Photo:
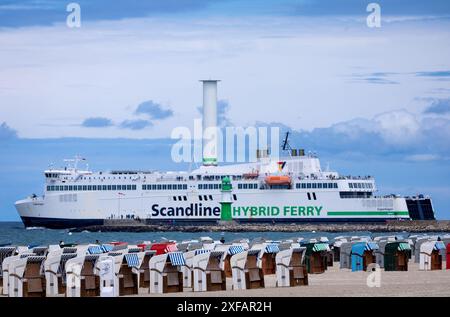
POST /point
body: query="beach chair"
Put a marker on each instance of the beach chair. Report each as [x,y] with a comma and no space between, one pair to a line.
[82,276]
[345,255]
[362,255]
[208,271]
[144,270]
[315,257]
[51,267]
[5,252]
[187,269]
[106,266]
[165,275]
[6,268]
[430,255]
[396,255]
[417,247]
[26,277]
[164,247]
[448,257]
[230,250]
[290,270]
[128,274]
[246,273]
[267,257]
[337,249]
[54,268]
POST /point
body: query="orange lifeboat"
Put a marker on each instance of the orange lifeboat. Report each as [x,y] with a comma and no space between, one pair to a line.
[278,180]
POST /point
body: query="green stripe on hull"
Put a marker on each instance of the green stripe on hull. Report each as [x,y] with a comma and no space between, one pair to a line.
[368,213]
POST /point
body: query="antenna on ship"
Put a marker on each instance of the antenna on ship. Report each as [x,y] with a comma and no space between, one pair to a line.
[286,146]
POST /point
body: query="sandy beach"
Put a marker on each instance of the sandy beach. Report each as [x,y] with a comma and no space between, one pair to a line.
[337,282]
[342,282]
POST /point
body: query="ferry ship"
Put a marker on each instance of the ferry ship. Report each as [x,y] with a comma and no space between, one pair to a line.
[288,189]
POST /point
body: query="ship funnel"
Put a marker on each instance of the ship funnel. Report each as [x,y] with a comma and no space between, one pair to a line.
[210,129]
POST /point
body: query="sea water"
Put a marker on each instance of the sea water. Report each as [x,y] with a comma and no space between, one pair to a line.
[15,233]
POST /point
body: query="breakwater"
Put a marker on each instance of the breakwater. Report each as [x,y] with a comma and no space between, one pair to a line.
[389,226]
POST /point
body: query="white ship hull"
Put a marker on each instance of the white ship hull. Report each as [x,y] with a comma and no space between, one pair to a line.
[256,205]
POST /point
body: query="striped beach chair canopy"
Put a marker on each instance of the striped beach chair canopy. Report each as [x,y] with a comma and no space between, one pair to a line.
[95,249]
[6,252]
[234,249]
[439,245]
[177,258]
[91,257]
[150,252]
[67,256]
[217,254]
[321,247]
[272,248]
[132,259]
[35,258]
[62,263]
[106,248]
[371,246]
[69,250]
[201,251]
[115,253]
[403,246]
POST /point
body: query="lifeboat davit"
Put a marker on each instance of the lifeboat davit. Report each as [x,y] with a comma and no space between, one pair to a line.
[278,180]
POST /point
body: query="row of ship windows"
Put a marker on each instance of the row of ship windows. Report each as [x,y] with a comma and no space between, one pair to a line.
[316,185]
[360,185]
[165,187]
[184,186]
[203,197]
[89,187]
[247,186]
[209,186]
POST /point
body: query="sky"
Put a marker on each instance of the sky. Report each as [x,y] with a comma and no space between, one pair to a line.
[365,99]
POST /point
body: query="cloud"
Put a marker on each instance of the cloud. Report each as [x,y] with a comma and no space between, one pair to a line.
[440,73]
[153,110]
[389,134]
[97,122]
[439,106]
[422,157]
[375,78]
[386,77]
[6,132]
[135,124]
